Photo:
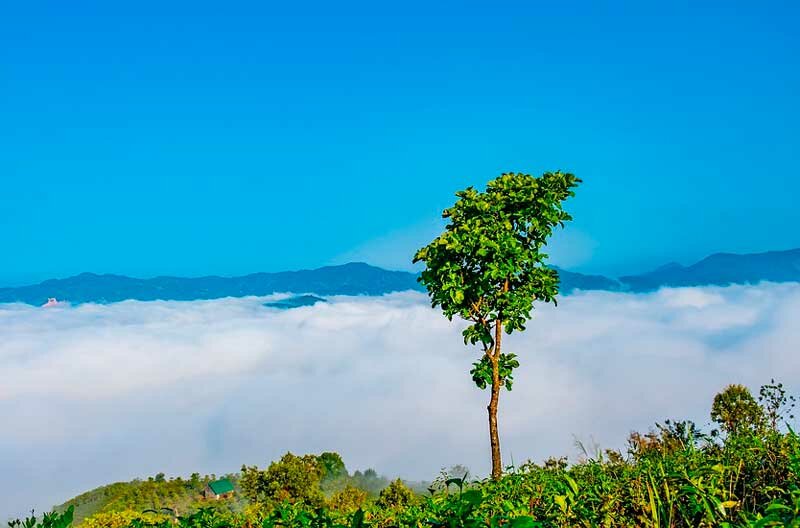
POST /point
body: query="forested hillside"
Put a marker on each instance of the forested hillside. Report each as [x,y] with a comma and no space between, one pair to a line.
[120,501]
[155,493]
[743,472]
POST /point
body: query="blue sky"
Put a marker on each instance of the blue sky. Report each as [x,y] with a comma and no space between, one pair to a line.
[194,138]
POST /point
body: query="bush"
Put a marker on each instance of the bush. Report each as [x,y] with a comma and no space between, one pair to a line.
[395,495]
[121,519]
[348,500]
[292,479]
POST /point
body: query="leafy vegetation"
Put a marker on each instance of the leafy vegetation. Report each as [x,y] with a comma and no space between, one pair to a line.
[321,479]
[489,266]
[49,520]
[126,500]
[744,472]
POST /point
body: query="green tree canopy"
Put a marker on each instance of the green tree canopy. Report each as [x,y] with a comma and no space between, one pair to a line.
[293,479]
[395,495]
[489,266]
[736,411]
[332,465]
[348,500]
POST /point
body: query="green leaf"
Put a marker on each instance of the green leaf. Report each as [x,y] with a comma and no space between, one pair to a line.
[358,519]
[524,521]
[455,480]
[474,497]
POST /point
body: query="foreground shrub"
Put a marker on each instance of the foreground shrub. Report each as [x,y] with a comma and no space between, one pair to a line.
[395,495]
[348,500]
[122,519]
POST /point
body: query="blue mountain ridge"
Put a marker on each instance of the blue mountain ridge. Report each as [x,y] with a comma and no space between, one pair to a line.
[722,269]
[359,278]
[297,301]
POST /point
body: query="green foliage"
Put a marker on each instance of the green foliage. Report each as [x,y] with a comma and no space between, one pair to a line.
[206,517]
[395,495]
[122,519]
[482,370]
[669,437]
[736,411]
[153,493]
[489,264]
[49,520]
[332,466]
[348,500]
[292,479]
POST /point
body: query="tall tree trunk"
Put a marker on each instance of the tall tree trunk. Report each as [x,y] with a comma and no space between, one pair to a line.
[494,436]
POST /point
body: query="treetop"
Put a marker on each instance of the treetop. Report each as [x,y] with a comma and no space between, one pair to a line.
[489,264]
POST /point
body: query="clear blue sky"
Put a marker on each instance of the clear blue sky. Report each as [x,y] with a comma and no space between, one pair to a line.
[195,138]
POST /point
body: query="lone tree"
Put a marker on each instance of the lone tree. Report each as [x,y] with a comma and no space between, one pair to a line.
[488,267]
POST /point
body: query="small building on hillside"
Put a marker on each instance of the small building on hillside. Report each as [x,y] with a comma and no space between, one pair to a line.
[218,489]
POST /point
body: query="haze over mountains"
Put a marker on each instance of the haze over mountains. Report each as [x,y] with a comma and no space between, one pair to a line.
[363,279]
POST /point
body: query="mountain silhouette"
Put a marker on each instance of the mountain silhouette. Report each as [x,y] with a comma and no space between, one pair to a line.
[358,278]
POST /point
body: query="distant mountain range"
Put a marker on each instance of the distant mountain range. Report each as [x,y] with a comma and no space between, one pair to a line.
[722,269]
[348,279]
[363,279]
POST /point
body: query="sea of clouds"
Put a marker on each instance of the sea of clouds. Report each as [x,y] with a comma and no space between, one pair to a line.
[92,394]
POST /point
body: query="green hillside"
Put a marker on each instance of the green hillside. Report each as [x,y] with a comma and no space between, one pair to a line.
[185,495]
[743,473]
[154,493]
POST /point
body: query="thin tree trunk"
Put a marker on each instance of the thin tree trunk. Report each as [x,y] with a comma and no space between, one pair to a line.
[494,436]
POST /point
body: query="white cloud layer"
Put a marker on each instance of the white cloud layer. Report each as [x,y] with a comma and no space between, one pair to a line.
[93,394]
